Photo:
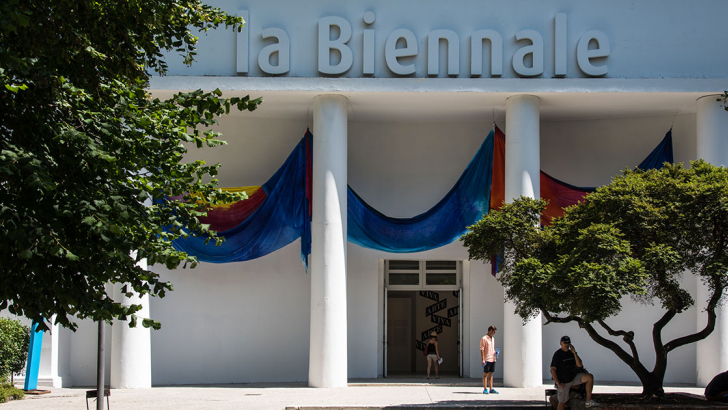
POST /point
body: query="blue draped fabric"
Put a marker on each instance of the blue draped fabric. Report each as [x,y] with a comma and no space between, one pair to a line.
[281,219]
[444,223]
[661,154]
[284,215]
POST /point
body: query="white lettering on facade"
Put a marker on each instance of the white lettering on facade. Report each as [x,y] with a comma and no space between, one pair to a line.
[560,45]
[476,52]
[368,46]
[326,45]
[241,47]
[392,53]
[401,48]
[281,48]
[535,50]
[433,52]
[584,54]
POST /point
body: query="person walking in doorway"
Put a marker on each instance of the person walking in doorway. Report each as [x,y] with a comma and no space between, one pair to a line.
[487,355]
[433,355]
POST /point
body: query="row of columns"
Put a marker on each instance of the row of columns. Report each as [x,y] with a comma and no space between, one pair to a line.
[328,325]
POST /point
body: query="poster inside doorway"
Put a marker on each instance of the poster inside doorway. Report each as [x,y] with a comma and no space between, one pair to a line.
[411,317]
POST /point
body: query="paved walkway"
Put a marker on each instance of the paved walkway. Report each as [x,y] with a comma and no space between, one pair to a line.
[362,394]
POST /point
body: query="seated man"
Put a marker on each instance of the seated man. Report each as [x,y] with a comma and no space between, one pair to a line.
[717,389]
[564,371]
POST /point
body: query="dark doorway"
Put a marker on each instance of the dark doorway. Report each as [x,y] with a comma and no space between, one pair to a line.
[411,317]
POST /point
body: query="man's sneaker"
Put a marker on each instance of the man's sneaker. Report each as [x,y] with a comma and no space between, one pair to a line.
[492,391]
[591,403]
[485,391]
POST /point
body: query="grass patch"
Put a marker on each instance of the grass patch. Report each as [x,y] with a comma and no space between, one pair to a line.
[10,392]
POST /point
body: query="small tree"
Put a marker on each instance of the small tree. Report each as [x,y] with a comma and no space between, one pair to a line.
[14,341]
[635,237]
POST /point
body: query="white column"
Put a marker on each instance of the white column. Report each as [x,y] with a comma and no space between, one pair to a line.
[712,130]
[522,357]
[48,372]
[712,146]
[328,341]
[131,348]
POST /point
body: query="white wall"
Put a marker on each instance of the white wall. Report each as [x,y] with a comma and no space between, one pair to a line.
[234,323]
[590,152]
[249,321]
[486,309]
[363,310]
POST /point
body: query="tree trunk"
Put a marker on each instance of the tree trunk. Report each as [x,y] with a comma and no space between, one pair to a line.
[652,387]
[651,381]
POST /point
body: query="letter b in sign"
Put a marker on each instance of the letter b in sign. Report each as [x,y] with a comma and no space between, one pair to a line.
[326,45]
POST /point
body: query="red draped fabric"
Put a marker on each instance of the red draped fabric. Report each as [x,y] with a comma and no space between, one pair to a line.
[559,195]
[498,185]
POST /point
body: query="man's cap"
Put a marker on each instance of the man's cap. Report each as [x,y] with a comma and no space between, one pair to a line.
[565,339]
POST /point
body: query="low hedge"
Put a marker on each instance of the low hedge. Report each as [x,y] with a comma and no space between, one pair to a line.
[8,391]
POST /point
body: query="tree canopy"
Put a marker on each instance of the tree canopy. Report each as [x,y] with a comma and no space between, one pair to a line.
[636,237]
[88,157]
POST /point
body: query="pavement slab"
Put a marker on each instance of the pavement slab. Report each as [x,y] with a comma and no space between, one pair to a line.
[370,394]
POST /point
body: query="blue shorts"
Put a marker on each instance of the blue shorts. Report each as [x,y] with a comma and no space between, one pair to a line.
[489,367]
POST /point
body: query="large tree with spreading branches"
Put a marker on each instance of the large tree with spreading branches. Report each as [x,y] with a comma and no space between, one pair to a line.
[634,238]
[88,157]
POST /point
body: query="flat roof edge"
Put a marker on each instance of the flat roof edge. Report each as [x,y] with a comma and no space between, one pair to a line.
[444,85]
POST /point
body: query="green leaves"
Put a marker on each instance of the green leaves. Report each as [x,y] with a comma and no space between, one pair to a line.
[15,88]
[83,147]
[634,237]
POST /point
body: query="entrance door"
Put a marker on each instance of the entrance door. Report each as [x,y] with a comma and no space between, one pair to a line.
[411,317]
[400,344]
[422,298]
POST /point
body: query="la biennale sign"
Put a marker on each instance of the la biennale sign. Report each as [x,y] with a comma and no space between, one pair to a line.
[336,56]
